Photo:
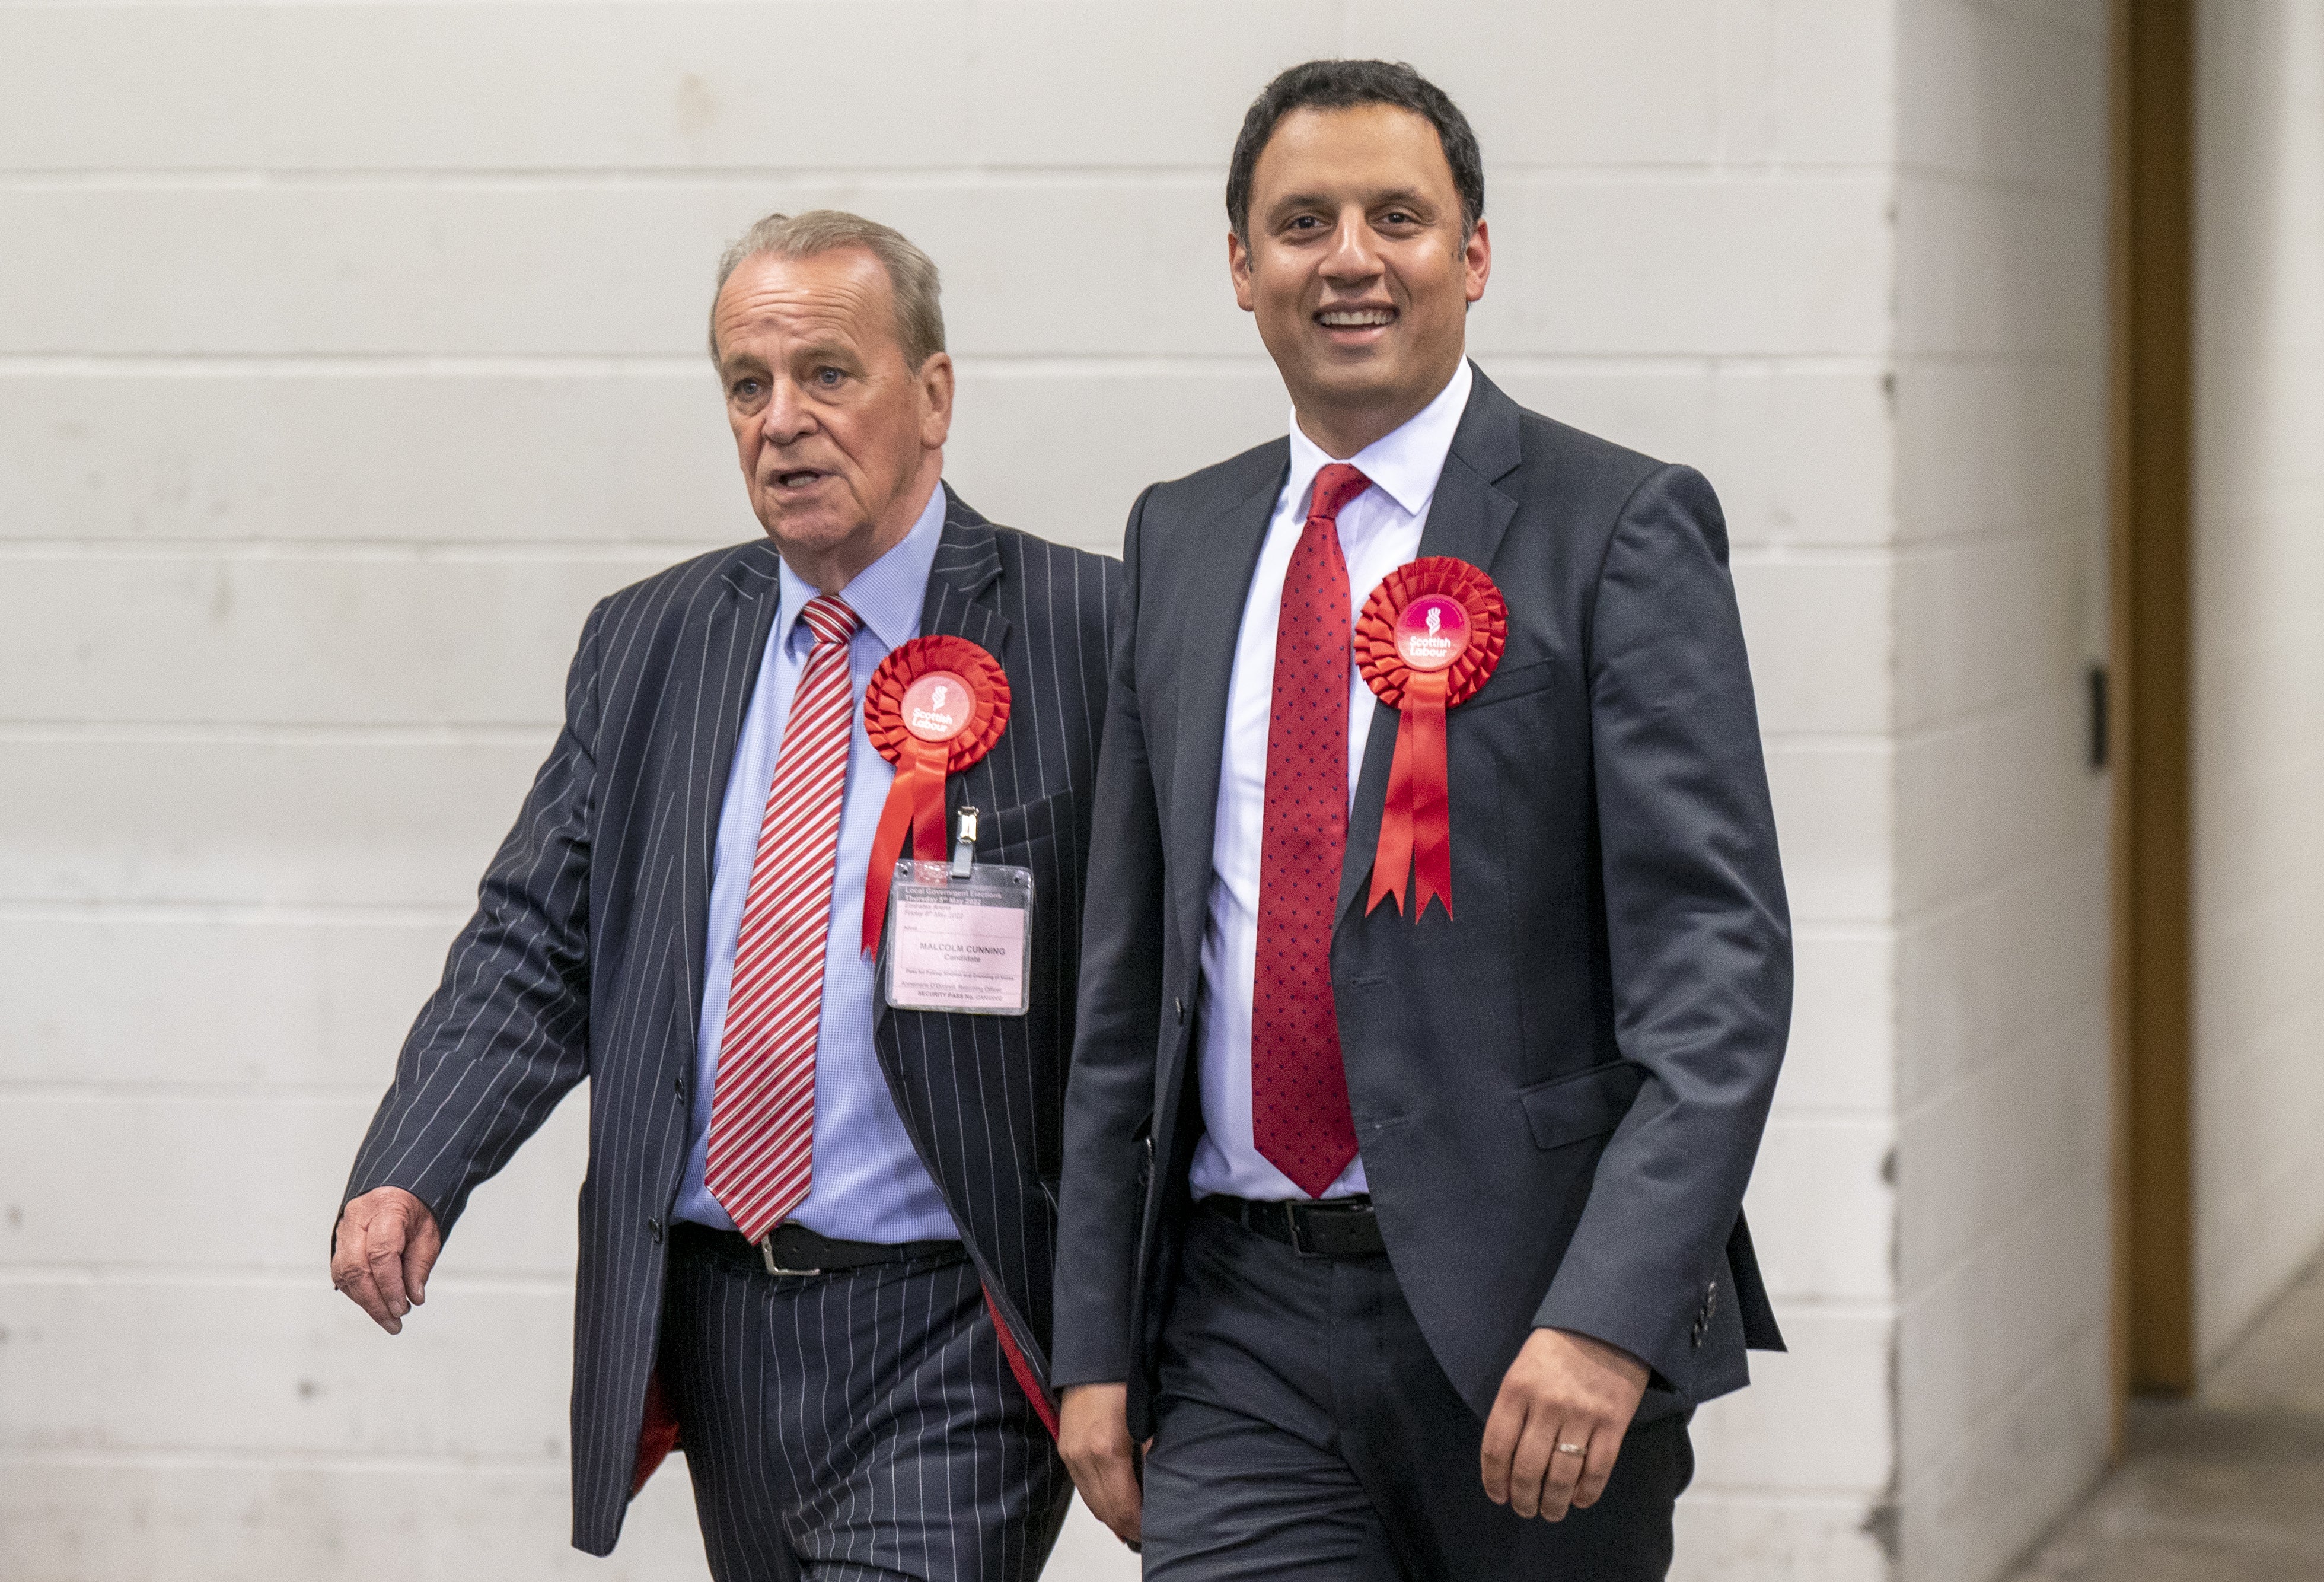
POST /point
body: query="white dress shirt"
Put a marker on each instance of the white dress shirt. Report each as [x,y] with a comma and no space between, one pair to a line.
[1380,531]
[869,1184]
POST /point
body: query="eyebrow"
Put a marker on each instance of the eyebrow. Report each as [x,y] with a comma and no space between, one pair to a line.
[833,350]
[1407,196]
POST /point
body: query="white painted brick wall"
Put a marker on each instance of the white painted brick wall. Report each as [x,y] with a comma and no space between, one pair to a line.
[346,352]
[2002,1278]
[2259,658]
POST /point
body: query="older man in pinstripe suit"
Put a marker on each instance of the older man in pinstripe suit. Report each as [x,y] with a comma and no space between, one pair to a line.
[817,1233]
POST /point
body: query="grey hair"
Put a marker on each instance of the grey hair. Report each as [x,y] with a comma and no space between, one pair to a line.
[911,274]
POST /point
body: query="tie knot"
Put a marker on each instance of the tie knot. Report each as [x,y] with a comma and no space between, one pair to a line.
[1336,485]
[830,619]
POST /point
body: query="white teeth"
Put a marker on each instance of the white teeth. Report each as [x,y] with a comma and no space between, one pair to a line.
[1355,319]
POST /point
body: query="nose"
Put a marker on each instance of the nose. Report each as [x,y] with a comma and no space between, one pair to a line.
[1350,259]
[786,419]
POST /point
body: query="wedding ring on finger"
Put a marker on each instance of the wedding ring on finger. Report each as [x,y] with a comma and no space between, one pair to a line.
[1572,1449]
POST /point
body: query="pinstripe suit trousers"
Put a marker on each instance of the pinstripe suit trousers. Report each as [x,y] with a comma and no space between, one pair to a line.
[854,1426]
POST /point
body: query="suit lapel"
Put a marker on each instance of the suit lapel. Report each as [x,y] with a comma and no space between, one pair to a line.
[733,646]
[960,581]
[1225,559]
[1467,517]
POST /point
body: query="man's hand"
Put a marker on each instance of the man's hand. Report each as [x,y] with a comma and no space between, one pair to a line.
[1558,1423]
[387,1243]
[1093,1437]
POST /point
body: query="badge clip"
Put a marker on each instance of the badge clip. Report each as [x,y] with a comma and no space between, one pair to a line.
[964,850]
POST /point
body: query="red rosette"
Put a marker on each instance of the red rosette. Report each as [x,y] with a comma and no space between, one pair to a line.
[927,731]
[1427,639]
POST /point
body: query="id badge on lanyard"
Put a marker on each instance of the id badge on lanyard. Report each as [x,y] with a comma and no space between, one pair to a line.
[960,933]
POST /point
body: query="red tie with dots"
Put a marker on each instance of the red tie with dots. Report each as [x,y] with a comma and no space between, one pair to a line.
[1299,1117]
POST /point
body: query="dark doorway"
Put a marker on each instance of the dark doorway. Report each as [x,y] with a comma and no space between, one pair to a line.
[2150,660]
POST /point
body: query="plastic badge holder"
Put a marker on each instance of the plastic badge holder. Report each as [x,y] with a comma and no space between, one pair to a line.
[959,938]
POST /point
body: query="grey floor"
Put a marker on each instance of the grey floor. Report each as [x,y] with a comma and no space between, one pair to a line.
[2228,1487]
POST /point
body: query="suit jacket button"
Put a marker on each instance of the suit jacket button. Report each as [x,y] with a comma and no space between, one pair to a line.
[653,1228]
[677,1086]
[1182,1012]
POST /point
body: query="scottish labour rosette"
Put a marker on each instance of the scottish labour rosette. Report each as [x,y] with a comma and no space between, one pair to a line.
[935,706]
[1429,637]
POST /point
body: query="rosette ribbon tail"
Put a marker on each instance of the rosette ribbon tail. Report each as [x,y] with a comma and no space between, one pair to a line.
[915,806]
[1414,816]
[1432,799]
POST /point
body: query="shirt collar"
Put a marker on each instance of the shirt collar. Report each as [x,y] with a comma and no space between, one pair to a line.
[887,594]
[1405,463]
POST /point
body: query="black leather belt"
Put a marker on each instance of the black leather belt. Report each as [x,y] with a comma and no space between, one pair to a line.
[793,1249]
[1338,1227]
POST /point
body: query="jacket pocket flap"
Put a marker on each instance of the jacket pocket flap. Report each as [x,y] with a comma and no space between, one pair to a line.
[1516,681]
[1010,828]
[1587,1103]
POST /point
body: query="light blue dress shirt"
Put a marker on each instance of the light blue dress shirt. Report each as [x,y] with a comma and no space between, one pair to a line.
[869,1184]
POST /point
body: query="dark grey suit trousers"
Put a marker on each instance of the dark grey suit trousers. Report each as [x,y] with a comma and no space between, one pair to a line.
[854,1426]
[1305,1433]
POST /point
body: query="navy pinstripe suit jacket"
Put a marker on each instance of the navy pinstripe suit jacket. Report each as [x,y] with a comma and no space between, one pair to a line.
[584,957]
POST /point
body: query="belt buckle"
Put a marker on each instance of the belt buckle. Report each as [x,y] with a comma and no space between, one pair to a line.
[767,1255]
[1298,1241]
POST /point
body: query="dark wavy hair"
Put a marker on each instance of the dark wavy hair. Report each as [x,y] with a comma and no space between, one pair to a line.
[1340,84]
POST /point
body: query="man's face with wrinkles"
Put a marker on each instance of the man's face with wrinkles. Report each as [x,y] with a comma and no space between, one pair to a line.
[840,439]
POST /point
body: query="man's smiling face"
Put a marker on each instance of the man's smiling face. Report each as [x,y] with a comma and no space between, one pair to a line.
[1356,267]
[841,440]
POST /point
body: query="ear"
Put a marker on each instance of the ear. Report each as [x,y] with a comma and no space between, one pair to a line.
[1239,267]
[1477,261]
[934,380]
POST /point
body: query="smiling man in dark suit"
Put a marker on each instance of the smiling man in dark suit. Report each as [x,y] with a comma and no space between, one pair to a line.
[1394,1226]
[817,1235]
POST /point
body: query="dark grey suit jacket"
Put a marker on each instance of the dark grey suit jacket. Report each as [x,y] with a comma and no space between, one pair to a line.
[585,958]
[1558,1091]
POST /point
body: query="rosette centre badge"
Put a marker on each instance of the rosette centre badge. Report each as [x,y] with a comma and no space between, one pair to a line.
[937,707]
[1432,634]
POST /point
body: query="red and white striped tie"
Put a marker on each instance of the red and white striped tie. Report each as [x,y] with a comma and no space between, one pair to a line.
[762,1109]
